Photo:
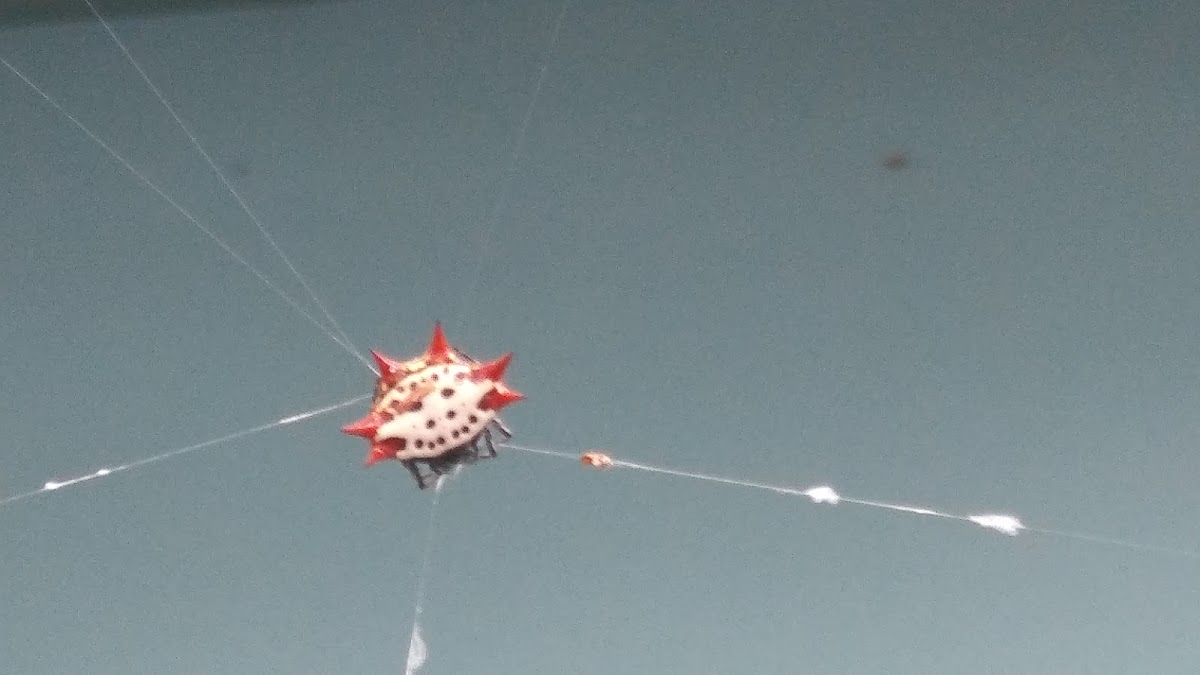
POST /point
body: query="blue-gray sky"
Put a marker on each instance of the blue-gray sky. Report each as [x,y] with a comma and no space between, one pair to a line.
[700,264]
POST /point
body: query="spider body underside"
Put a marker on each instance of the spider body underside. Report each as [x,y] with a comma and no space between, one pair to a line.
[466,454]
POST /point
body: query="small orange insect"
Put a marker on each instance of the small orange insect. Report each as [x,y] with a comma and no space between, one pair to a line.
[596,459]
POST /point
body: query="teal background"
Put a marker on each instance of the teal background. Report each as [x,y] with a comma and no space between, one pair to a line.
[700,263]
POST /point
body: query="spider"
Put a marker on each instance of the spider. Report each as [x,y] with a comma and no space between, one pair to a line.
[436,410]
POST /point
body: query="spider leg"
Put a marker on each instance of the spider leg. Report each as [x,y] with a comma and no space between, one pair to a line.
[416,473]
[502,428]
[474,450]
[487,440]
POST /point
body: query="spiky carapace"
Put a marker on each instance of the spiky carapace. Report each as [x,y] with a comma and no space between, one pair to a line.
[435,409]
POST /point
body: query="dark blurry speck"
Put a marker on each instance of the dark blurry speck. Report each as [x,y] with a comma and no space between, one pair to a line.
[897,160]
